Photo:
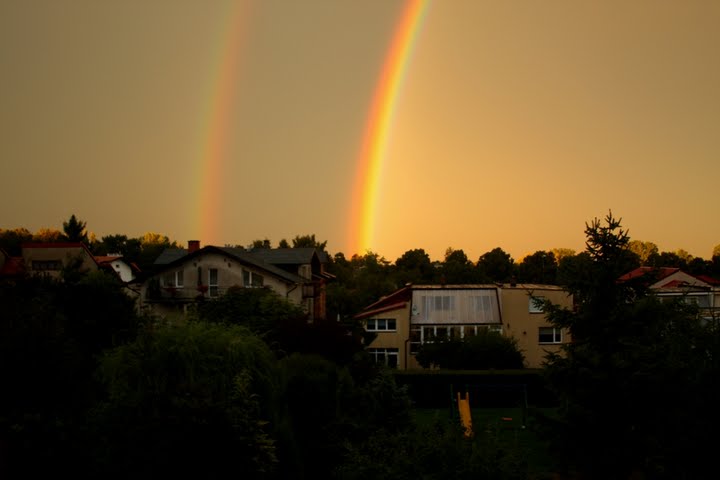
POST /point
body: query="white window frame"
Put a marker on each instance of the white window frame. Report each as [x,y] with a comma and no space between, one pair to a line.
[173,279]
[249,279]
[381,325]
[557,335]
[382,356]
[532,307]
[213,290]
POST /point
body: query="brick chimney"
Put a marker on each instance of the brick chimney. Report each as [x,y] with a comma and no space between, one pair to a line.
[193,245]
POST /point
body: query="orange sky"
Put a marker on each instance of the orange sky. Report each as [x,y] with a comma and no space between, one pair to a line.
[517,121]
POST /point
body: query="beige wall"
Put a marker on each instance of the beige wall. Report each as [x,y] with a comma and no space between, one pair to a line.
[524,326]
[58,254]
[230,273]
[517,321]
[396,339]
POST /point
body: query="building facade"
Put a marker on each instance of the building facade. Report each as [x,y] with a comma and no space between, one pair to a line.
[185,276]
[415,314]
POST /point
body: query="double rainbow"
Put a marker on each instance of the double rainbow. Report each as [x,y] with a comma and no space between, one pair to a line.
[361,229]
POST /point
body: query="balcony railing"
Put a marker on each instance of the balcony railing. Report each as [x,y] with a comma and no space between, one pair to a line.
[183,294]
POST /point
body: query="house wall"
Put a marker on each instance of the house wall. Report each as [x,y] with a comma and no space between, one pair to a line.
[524,325]
[514,318]
[395,339]
[60,255]
[196,272]
[123,270]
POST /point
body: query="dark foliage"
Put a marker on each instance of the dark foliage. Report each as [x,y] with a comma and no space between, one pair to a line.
[635,380]
[486,350]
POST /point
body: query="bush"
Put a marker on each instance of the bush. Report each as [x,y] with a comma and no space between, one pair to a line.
[487,350]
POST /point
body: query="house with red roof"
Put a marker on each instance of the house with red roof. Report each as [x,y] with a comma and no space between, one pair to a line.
[126,271]
[415,314]
[672,283]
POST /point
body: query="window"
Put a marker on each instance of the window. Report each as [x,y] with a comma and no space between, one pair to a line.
[252,279]
[44,265]
[381,325]
[535,304]
[549,335]
[384,356]
[213,282]
[173,279]
[439,303]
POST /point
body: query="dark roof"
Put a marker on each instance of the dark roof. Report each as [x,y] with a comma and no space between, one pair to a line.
[289,256]
[169,255]
[175,256]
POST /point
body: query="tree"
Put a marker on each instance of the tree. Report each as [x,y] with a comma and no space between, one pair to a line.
[540,267]
[151,246]
[11,240]
[414,266]
[75,230]
[644,250]
[716,251]
[265,243]
[496,265]
[191,400]
[486,350]
[283,244]
[308,241]
[561,253]
[49,235]
[457,268]
[635,374]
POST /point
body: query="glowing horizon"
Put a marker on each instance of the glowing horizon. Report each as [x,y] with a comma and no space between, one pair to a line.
[216,124]
[361,227]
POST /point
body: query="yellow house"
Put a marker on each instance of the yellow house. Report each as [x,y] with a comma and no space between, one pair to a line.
[408,317]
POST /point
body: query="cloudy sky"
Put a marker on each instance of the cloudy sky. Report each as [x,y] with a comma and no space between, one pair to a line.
[516,121]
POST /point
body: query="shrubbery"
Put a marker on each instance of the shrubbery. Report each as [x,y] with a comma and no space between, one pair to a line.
[486,350]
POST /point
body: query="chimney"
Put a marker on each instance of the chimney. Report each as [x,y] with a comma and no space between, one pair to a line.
[193,245]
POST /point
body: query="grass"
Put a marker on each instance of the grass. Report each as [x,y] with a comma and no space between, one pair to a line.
[505,429]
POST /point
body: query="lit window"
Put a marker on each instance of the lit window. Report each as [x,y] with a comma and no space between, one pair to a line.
[550,335]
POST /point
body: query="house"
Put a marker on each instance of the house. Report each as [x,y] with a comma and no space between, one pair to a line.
[126,271]
[184,276]
[414,314]
[10,267]
[46,258]
[308,263]
[674,284]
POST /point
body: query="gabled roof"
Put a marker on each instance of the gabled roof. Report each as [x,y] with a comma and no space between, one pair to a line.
[667,278]
[169,255]
[652,274]
[393,301]
[240,254]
